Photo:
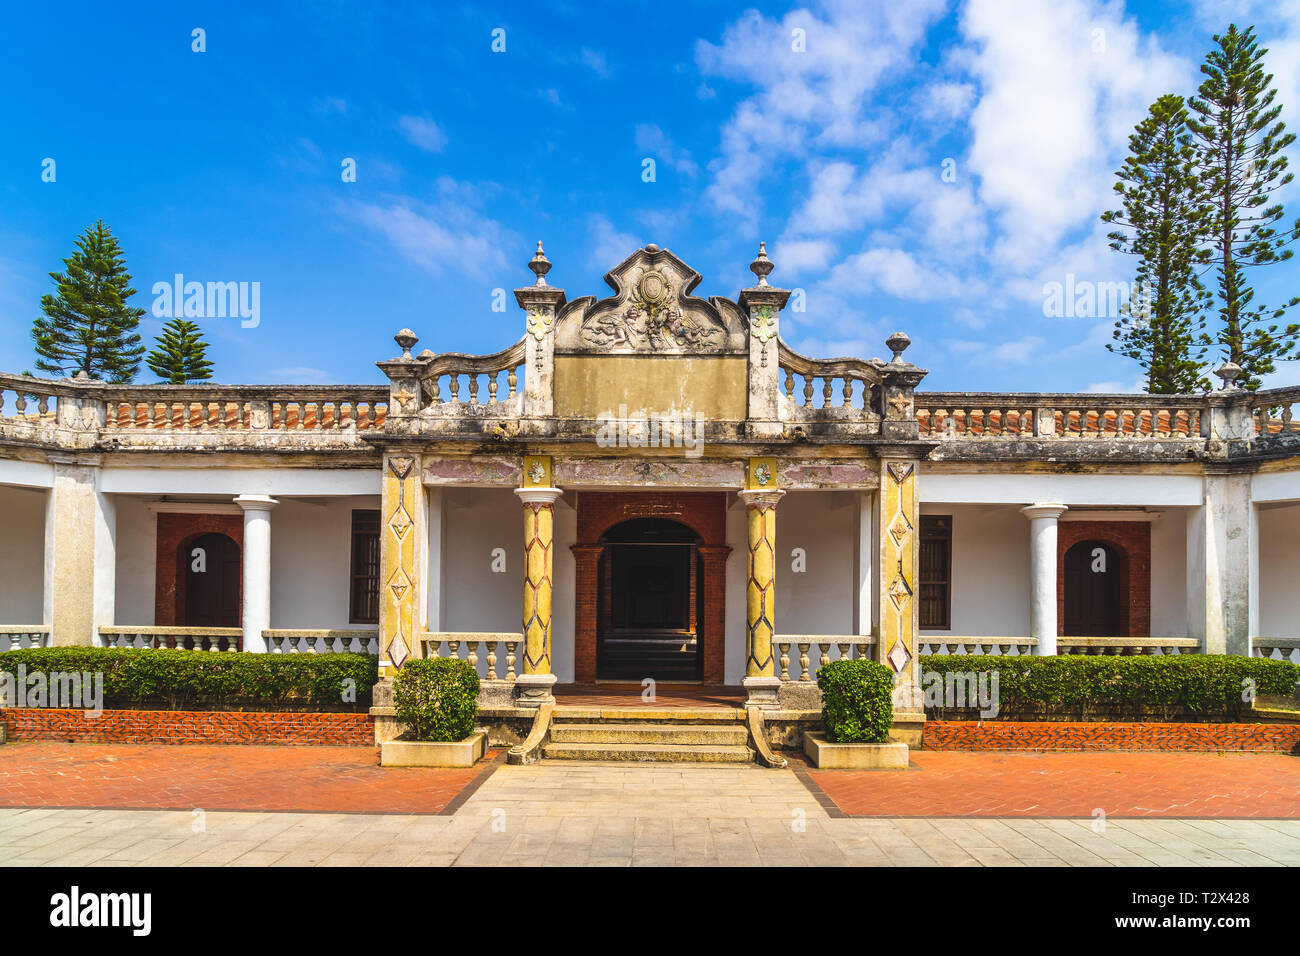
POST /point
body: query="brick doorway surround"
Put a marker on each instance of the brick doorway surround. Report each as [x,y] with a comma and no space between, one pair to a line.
[176,530]
[704,512]
[1132,539]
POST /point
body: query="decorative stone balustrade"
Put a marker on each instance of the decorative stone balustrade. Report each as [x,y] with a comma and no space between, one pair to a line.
[20,637]
[995,646]
[321,641]
[1277,648]
[1116,646]
[974,415]
[455,384]
[847,645]
[841,389]
[471,641]
[178,638]
[1273,415]
[215,408]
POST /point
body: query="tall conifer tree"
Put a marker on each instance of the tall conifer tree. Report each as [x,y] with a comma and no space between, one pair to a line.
[1163,222]
[88,327]
[180,356]
[1239,143]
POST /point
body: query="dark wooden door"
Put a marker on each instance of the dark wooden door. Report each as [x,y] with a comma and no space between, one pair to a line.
[1092,590]
[211,566]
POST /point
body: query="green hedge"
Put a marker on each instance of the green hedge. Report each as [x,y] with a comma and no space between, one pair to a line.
[204,680]
[1080,687]
[437,698]
[857,701]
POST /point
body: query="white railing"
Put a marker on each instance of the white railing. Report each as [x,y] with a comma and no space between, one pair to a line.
[431,645]
[180,638]
[845,643]
[322,641]
[20,637]
[1127,645]
[1277,648]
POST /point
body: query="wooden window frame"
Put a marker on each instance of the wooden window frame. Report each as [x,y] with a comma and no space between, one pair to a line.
[365,523]
[945,535]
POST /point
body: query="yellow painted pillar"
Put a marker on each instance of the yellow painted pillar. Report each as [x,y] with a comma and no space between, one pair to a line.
[538,495]
[403,520]
[899,557]
[761,496]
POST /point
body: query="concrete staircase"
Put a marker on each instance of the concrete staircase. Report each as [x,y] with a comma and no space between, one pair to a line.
[690,735]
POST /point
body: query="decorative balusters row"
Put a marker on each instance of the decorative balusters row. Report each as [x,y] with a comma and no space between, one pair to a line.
[1127,646]
[847,646]
[837,390]
[994,646]
[25,403]
[281,641]
[359,413]
[220,639]
[1275,420]
[490,644]
[438,393]
[995,420]
[24,637]
[1277,648]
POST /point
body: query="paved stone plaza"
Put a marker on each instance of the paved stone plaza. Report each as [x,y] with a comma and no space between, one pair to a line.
[580,814]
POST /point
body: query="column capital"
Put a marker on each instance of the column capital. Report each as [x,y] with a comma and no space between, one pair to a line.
[256,502]
[1045,509]
[765,498]
[539,496]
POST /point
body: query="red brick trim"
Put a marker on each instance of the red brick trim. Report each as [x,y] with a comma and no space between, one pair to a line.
[1051,735]
[704,512]
[1132,539]
[174,531]
[189,727]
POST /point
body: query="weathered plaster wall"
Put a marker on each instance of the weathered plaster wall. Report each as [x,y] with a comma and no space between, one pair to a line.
[475,598]
[136,562]
[1279,571]
[818,600]
[22,571]
[1169,574]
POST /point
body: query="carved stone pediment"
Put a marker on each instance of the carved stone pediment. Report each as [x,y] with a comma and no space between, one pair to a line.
[652,311]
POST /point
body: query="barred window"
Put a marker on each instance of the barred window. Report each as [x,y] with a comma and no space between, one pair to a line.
[936,572]
[364,603]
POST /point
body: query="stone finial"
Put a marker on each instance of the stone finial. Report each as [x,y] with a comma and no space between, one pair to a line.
[898,343]
[1229,372]
[762,266]
[81,376]
[651,248]
[540,264]
[406,339]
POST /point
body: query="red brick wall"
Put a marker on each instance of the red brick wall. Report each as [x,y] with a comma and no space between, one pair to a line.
[189,727]
[704,512]
[1045,735]
[1132,539]
[175,530]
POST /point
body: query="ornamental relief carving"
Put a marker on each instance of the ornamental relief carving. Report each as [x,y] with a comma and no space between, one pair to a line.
[652,311]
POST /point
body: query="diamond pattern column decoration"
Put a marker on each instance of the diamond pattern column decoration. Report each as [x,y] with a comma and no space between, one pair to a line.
[761,496]
[538,495]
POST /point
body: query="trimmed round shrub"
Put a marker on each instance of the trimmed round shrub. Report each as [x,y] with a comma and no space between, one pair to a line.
[437,698]
[857,701]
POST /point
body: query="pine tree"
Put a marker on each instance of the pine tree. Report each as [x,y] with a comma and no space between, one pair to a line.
[88,327]
[181,354]
[1239,144]
[1163,222]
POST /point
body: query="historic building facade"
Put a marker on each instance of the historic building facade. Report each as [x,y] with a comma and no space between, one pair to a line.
[649,484]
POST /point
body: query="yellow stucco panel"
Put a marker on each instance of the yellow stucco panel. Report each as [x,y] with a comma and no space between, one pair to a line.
[588,386]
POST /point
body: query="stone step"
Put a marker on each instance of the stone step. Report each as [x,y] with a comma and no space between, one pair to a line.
[645,714]
[672,753]
[733,734]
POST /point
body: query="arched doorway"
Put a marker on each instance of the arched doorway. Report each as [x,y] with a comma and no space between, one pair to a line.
[1095,590]
[209,567]
[648,602]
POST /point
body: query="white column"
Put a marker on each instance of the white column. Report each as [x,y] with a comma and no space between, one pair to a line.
[1223,566]
[1043,519]
[864,611]
[80,552]
[256,613]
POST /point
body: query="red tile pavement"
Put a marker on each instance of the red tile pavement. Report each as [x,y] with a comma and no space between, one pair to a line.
[217,777]
[958,784]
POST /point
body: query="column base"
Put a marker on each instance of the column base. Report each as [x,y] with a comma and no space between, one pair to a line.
[761,692]
[533,690]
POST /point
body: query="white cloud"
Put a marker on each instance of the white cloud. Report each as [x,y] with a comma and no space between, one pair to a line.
[423,133]
[651,139]
[595,60]
[609,246]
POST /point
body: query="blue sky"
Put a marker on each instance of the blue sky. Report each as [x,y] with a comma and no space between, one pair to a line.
[225,165]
